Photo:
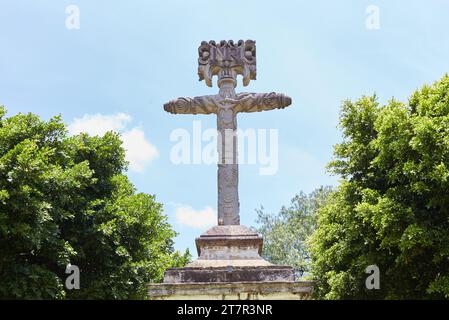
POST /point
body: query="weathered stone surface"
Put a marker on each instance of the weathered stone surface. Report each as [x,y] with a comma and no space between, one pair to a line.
[227,58]
[229,242]
[229,254]
[298,290]
[230,273]
[229,231]
[203,263]
[231,245]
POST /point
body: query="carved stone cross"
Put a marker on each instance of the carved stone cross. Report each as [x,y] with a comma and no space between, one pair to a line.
[227,60]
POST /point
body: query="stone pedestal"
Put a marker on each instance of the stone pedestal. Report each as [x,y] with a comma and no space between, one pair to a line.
[298,290]
[229,266]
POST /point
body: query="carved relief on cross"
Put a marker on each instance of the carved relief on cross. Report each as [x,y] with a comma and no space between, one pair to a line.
[227,60]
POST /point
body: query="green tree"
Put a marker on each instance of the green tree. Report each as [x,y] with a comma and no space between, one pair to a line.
[286,233]
[64,200]
[392,206]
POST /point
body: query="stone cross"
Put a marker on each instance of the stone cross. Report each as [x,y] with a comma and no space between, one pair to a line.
[226,60]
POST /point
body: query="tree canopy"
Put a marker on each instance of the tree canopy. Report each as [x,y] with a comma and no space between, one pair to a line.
[392,206]
[65,200]
[286,233]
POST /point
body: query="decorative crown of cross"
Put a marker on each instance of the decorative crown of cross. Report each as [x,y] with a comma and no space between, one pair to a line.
[227,60]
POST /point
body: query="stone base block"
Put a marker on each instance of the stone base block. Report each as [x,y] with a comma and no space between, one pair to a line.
[229,242]
[229,254]
[230,266]
[233,245]
[299,290]
[231,273]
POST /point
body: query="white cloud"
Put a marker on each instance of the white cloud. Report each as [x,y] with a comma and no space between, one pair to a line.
[98,124]
[139,151]
[188,216]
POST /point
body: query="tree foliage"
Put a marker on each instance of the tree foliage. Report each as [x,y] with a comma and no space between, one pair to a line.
[392,207]
[64,200]
[286,233]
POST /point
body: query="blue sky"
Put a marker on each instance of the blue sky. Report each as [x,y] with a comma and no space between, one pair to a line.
[130,57]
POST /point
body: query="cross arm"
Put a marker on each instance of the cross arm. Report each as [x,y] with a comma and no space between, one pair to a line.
[196,105]
[253,102]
